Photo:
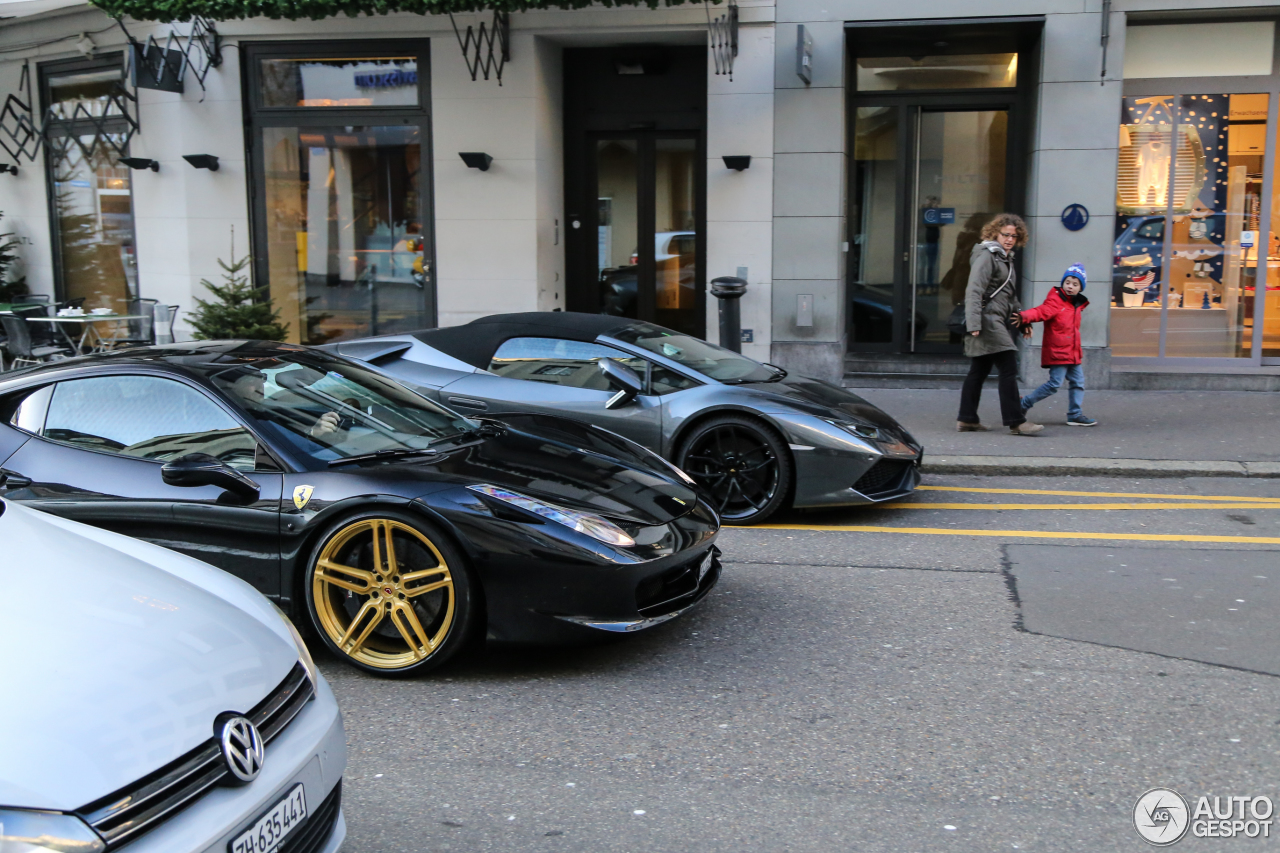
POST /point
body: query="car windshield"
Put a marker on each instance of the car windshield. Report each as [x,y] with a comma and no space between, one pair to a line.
[708,359]
[330,409]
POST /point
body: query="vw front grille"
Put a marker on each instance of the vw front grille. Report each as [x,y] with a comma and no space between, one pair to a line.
[123,815]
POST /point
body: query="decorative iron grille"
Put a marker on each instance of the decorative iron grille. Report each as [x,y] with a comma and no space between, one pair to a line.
[113,127]
[723,32]
[486,49]
[164,67]
[18,132]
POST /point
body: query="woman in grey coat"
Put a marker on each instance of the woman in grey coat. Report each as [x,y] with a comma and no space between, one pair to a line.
[991,309]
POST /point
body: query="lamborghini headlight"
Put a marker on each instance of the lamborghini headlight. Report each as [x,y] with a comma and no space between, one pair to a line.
[23,831]
[594,526]
[304,655]
[863,431]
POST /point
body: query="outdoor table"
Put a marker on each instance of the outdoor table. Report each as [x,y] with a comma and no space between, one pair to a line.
[89,332]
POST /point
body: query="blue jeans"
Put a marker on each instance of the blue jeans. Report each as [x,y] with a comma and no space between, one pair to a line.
[1074,375]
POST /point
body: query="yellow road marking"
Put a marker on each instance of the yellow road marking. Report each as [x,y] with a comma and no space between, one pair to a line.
[1030,534]
[1096,494]
[1081,506]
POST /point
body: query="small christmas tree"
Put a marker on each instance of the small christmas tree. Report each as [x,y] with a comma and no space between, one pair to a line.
[241,312]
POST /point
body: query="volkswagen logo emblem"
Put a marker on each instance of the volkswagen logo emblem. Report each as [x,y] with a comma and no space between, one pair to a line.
[241,748]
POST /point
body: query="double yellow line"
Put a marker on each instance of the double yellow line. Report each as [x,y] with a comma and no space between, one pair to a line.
[1184,502]
[1187,501]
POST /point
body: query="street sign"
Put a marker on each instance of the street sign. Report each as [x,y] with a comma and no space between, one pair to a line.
[1075,217]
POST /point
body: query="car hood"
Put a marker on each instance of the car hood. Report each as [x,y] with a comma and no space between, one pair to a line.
[572,464]
[818,398]
[117,655]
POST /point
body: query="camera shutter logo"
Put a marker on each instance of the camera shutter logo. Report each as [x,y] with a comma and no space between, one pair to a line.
[241,748]
[1161,817]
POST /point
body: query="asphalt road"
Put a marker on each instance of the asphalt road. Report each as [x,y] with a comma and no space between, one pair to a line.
[955,679]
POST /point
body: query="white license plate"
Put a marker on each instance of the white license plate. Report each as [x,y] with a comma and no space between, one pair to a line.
[269,830]
[706,565]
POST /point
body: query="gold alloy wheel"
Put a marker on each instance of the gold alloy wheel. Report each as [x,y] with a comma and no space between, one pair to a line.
[383,593]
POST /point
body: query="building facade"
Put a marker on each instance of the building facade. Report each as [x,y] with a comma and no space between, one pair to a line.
[377,187]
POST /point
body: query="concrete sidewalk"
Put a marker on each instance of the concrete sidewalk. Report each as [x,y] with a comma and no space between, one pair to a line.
[1139,433]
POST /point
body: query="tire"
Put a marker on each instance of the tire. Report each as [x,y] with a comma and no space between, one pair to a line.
[407,620]
[742,465]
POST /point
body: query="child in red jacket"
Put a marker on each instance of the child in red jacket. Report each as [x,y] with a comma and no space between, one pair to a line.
[1061,353]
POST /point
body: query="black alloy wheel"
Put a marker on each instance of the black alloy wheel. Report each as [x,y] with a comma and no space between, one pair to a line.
[742,465]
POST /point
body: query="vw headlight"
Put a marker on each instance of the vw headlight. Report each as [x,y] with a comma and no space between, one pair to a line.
[24,831]
[594,526]
[304,655]
[865,431]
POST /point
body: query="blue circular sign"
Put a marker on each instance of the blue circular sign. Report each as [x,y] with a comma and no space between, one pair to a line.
[932,216]
[1075,217]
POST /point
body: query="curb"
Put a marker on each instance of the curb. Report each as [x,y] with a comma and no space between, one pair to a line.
[1033,466]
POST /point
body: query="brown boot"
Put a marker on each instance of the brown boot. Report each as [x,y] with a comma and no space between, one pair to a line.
[1025,428]
[961,426]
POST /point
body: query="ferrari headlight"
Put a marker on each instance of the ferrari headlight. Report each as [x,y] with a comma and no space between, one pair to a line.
[304,655]
[592,525]
[860,430]
[24,831]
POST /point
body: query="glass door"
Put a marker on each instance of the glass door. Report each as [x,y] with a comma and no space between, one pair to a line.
[959,186]
[647,212]
[926,178]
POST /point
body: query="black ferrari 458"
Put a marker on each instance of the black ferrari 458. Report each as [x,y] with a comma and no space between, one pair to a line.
[401,528]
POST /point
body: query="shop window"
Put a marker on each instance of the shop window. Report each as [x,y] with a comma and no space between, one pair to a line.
[1224,49]
[1188,204]
[343,235]
[92,191]
[973,71]
[386,81]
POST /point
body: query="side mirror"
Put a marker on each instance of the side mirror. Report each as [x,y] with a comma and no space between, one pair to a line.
[627,382]
[201,469]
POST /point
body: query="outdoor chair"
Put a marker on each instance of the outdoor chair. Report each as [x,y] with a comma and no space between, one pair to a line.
[138,333]
[21,350]
[162,323]
[41,334]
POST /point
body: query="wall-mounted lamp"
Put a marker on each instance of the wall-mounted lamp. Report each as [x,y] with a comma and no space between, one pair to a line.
[5,167]
[202,161]
[476,160]
[141,163]
[737,162]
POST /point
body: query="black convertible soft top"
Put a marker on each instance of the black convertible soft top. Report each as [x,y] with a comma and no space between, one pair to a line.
[477,341]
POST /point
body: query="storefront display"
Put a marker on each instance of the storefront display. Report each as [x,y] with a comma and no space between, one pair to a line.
[1188,205]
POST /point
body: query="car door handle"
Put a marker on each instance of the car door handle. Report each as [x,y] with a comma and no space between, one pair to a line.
[13,480]
[468,403]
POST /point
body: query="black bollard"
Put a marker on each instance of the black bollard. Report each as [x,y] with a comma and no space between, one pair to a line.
[729,289]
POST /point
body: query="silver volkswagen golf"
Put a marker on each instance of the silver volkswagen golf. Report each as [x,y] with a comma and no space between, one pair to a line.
[153,701]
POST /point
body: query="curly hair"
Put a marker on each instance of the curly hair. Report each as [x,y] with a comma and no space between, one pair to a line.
[992,228]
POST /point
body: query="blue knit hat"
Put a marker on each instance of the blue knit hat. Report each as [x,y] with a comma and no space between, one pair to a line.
[1075,271]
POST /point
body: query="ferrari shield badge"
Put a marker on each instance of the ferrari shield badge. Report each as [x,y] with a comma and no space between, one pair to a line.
[302,494]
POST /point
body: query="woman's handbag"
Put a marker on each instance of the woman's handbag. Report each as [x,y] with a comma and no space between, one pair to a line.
[956,322]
